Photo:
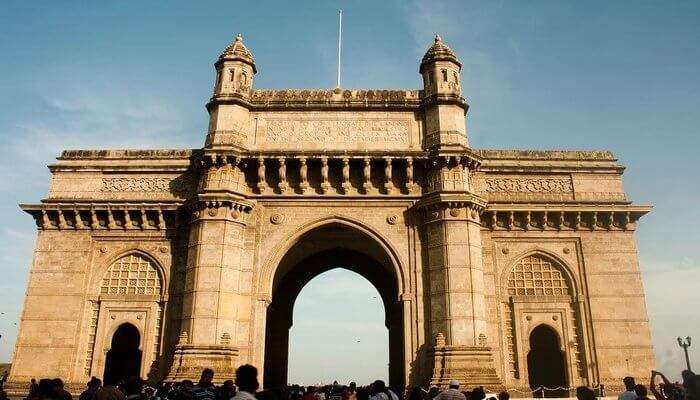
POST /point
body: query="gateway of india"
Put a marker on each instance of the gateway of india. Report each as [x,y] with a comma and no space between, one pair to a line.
[502,268]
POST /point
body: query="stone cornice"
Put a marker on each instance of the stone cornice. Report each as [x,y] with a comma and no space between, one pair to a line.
[451,200]
[448,99]
[323,99]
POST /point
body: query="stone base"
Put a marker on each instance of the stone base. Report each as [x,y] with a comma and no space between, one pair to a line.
[189,361]
[472,366]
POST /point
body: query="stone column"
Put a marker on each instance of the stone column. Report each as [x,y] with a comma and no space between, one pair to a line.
[212,301]
[457,310]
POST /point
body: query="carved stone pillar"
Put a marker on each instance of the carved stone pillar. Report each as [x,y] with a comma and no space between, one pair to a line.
[212,300]
[261,175]
[388,185]
[366,184]
[457,309]
[283,186]
[345,184]
[303,178]
[410,182]
[325,186]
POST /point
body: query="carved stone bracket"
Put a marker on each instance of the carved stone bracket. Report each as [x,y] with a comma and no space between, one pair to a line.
[564,217]
[108,216]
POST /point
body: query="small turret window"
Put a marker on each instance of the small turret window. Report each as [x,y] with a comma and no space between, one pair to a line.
[444,75]
[232,71]
[456,77]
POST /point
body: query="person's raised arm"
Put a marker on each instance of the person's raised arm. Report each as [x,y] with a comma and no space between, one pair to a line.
[652,387]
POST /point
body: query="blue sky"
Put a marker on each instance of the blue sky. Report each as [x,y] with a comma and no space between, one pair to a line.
[547,74]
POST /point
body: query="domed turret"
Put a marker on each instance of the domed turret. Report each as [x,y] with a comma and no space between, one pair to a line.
[235,69]
[442,97]
[440,68]
[229,116]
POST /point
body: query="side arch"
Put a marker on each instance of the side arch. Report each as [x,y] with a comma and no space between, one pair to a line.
[272,262]
[562,265]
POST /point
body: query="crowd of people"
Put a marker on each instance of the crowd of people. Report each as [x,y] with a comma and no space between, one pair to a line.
[246,385]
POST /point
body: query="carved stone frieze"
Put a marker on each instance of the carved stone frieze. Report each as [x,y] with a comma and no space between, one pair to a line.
[182,186]
[350,130]
[528,185]
[324,96]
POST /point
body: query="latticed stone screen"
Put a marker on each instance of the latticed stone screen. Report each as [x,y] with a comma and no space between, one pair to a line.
[131,274]
[537,276]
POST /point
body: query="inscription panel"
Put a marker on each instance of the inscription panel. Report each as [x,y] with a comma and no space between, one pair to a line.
[337,131]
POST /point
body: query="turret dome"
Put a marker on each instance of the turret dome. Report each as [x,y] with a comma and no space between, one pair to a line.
[238,51]
[439,51]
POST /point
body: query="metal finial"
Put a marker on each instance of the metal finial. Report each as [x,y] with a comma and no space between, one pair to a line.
[437,38]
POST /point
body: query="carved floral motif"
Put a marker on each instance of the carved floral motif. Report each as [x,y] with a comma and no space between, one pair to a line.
[179,186]
[529,185]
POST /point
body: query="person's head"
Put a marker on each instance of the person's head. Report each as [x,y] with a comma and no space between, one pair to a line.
[353,386]
[454,384]
[247,378]
[310,390]
[584,393]
[640,390]
[478,393]
[629,383]
[57,384]
[362,393]
[503,396]
[378,386]
[228,384]
[109,393]
[207,377]
[32,381]
[45,387]
[94,383]
[132,385]
[186,385]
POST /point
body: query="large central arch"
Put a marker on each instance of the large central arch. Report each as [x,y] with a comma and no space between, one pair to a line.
[330,245]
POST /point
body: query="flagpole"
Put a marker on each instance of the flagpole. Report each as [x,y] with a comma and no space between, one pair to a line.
[340,35]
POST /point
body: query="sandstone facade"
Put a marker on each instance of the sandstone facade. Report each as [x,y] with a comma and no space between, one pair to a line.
[203,251]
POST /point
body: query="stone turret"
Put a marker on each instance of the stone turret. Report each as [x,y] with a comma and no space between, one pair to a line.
[445,107]
[228,109]
[235,69]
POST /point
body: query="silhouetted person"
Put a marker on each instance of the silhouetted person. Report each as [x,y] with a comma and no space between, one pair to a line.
[584,393]
[629,393]
[109,393]
[247,382]
[452,392]
[641,392]
[503,396]
[58,392]
[205,390]
[478,393]
[227,390]
[133,387]
[92,387]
